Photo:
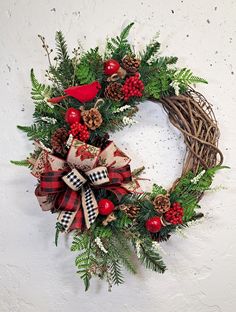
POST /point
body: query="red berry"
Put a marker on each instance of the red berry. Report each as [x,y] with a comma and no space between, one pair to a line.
[105,206]
[111,67]
[133,86]
[175,214]
[153,224]
[72,115]
[79,131]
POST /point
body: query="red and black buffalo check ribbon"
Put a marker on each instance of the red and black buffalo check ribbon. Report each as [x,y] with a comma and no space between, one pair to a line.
[71,190]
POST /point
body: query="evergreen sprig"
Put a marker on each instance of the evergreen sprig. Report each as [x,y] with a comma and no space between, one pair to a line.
[150,52]
[151,259]
[115,272]
[119,46]
[90,67]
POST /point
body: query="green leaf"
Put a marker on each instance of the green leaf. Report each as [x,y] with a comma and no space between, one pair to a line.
[59,229]
[23,163]
[125,32]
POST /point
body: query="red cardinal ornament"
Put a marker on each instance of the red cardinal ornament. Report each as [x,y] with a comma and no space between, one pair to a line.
[105,206]
[84,93]
[153,225]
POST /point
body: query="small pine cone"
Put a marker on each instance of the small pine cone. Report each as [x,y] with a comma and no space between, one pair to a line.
[114,91]
[101,141]
[130,210]
[92,118]
[162,203]
[58,140]
[131,64]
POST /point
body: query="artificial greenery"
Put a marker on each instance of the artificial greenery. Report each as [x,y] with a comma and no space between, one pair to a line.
[157,73]
[104,251]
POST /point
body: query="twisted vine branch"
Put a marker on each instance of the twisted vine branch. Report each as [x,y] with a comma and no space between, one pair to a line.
[192,114]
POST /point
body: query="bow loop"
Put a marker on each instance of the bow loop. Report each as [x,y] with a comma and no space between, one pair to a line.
[120,175]
[98,176]
[51,182]
[74,179]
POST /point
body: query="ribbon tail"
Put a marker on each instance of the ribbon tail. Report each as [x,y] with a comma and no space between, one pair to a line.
[66,218]
[89,205]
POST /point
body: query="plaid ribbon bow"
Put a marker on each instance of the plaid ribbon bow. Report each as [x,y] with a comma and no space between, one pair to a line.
[67,191]
[70,192]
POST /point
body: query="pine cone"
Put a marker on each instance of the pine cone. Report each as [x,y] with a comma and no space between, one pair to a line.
[162,203]
[130,210]
[101,141]
[131,64]
[58,140]
[114,91]
[92,118]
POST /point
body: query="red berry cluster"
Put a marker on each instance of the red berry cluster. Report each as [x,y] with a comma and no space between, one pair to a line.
[175,214]
[133,86]
[79,131]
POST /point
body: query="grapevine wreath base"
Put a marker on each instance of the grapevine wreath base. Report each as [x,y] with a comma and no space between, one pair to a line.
[86,180]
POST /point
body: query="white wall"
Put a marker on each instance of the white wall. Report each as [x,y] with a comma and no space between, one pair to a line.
[35,276]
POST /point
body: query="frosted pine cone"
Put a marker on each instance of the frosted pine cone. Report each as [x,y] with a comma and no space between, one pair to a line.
[58,140]
[130,210]
[92,118]
[162,203]
[114,91]
[131,64]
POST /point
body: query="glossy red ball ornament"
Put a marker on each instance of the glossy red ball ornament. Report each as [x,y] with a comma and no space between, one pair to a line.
[111,67]
[153,225]
[72,115]
[105,206]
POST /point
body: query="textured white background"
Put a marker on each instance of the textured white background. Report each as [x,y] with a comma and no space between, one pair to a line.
[34,275]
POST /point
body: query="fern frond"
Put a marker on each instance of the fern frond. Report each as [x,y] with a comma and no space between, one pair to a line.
[158,85]
[40,92]
[185,77]
[61,46]
[80,242]
[90,67]
[41,132]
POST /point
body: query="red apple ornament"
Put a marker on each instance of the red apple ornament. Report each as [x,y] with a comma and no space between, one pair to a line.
[112,67]
[72,115]
[153,225]
[105,206]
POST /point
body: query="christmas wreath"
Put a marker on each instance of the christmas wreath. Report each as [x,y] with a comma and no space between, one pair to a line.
[86,180]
